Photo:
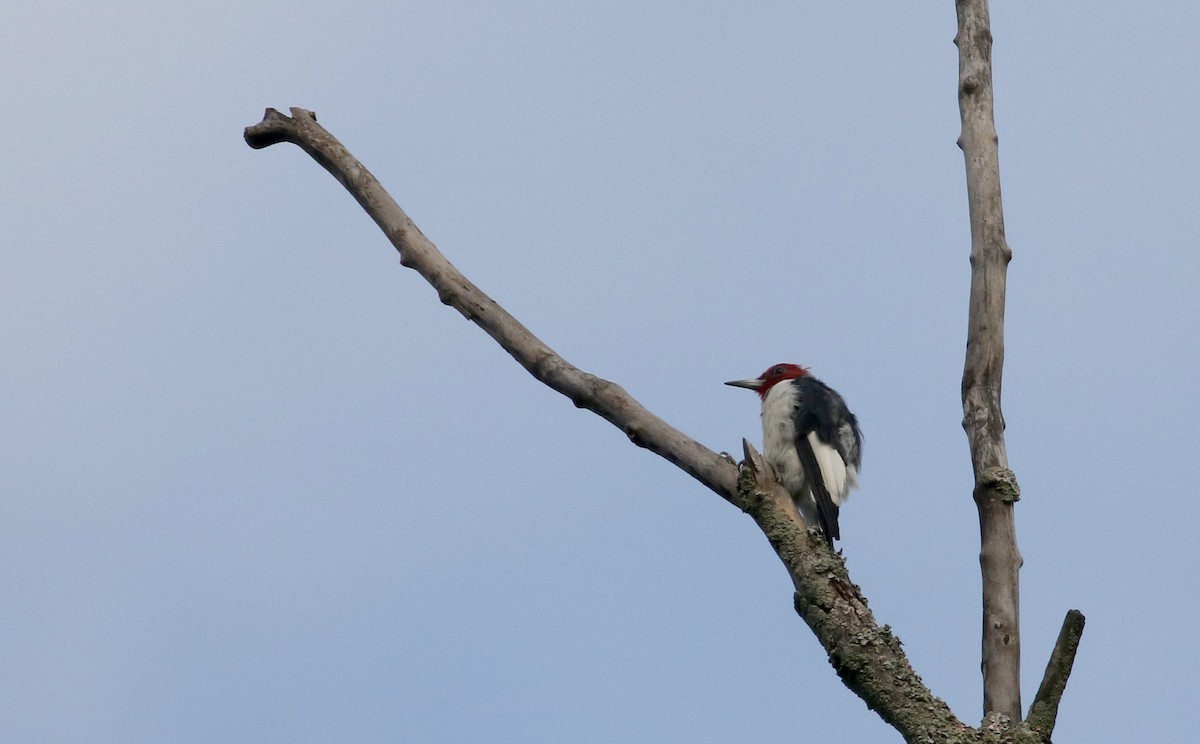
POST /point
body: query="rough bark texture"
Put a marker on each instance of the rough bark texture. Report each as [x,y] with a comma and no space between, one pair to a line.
[836,610]
[1044,711]
[995,485]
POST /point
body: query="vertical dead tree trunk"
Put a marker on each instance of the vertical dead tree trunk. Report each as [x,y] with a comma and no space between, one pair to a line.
[995,485]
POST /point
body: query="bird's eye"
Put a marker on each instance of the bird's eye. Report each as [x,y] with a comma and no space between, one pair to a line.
[778,370]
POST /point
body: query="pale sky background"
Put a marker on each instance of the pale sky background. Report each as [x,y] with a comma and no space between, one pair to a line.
[258,485]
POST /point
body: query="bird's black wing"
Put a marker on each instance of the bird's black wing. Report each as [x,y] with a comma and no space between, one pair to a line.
[827,511]
[818,410]
[831,419]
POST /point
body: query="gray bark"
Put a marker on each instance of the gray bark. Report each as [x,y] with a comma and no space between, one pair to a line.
[996,488]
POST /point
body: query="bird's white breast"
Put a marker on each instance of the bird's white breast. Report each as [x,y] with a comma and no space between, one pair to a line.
[779,437]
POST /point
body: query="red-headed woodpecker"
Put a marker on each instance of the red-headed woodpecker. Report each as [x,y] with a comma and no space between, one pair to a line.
[811,440]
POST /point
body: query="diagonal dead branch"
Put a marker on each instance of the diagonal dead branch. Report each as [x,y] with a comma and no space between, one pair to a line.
[1044,712]
[600,396]
[868,657]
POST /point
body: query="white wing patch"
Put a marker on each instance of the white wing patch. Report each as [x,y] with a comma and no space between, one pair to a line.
[837,476]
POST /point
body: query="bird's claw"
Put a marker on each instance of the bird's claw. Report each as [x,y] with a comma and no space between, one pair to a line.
[729,459]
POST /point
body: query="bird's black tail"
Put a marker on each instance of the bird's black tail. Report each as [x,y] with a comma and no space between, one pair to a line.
[827,510]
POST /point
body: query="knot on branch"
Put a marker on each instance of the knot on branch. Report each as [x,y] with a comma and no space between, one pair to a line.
[1001,482]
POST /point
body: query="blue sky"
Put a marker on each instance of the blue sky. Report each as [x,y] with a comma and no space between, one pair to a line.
[257,484]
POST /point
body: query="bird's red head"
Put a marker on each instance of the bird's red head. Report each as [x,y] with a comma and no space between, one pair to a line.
[776,373]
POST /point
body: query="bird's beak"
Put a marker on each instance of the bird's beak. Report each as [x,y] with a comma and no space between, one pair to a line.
[748,384]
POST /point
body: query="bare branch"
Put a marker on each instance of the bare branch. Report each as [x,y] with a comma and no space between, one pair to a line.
[1044,712]
[600,396]
[995,485]
[868,657]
